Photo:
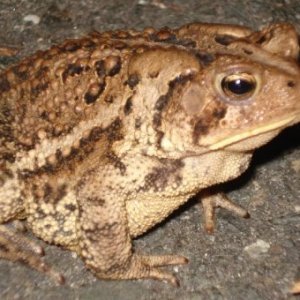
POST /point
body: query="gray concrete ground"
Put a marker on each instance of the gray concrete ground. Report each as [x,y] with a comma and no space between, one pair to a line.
[256,258]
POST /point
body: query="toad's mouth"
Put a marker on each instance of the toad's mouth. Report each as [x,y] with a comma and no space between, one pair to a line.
[252,132]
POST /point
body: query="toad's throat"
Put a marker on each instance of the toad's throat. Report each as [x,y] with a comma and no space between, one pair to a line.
[288,121]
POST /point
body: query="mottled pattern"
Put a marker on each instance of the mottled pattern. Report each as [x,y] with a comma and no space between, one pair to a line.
[103,137]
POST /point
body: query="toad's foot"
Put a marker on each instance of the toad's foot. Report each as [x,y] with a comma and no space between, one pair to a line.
[16,247]
[211,201]
[144,266]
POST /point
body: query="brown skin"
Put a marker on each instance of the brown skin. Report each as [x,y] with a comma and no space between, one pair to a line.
[102,138]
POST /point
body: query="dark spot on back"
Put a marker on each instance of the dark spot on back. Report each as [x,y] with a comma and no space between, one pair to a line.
[164,35]
[23,75]
[100,68]
[161,102]
[132,80]
[156,120]
[71,70]
[204,58]
[88,44]
[128,106]
[44,115]
[186,43]
[224,39]
[95,135]
[60,193]
[261,40]
[100,201]
[58,155]
[248,52]
[48,191]
[71,46]
[120,35]
[109,99]
[70,207]
[291,83]
[41,72]
[119,45]
[10,157]
[102,71]
[116,69]
[137,123]
[35,91]
[113,131]
[159,134]
[179,80]
[91,97]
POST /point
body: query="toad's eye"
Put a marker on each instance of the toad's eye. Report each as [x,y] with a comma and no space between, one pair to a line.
[238,86]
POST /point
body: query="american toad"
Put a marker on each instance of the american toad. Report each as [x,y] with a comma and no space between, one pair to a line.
[103,137]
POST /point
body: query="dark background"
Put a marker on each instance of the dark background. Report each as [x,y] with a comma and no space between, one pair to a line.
[221,266]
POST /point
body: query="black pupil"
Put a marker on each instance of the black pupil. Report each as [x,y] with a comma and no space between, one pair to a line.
[238,86]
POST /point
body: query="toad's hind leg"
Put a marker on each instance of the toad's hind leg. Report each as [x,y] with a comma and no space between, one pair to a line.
[17,248]
[104,238]
[14,246]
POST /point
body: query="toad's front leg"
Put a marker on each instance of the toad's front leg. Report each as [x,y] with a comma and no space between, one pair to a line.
[210,200]
[104,240]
